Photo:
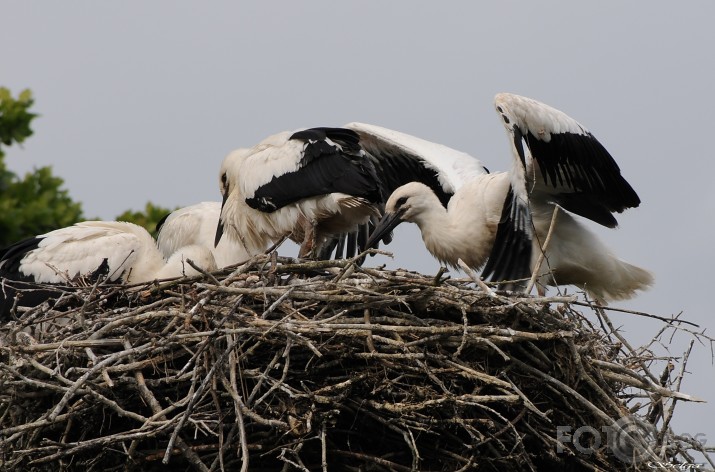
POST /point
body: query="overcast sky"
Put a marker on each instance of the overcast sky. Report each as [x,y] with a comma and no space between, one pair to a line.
[141,101]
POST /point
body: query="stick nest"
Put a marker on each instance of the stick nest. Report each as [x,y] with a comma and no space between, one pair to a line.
[285,365]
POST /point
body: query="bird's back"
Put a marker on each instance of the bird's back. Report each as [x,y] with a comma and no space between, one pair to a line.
[196,225]
[81,249]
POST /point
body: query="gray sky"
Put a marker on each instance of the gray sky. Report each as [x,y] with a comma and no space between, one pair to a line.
[142,100]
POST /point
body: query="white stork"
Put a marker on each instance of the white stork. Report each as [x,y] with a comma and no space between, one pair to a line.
[502,219]
[119,251]
[309,185]
[196,224]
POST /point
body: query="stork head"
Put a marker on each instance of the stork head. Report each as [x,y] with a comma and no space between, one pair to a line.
[178,266]
[407,203]
[227,179]
[229,170]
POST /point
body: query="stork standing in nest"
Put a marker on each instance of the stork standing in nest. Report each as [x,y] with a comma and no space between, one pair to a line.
[503,219]
[307,185]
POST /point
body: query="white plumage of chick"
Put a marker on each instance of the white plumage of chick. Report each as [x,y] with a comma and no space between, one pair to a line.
[118,251]
[196,225]
[121,251]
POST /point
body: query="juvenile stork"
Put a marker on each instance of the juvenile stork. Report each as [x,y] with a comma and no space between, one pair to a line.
[308,185]
[502,219]
[118,251]
[196,225]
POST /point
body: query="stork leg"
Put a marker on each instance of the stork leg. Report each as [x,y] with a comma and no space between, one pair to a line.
[307,248]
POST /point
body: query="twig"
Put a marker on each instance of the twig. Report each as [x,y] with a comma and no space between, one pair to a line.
[542,254]
[669,413]
[478,280]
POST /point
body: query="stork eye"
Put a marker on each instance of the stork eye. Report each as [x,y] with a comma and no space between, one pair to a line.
[401,201]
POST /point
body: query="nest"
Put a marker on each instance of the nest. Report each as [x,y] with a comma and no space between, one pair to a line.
[288,365]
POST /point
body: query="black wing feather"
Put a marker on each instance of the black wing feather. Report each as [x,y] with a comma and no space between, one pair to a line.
[592,181]
[397,167]
[12,257]
[344,251]
[326,168]
[511,254]
[161,222]
[316,144]
[26,294]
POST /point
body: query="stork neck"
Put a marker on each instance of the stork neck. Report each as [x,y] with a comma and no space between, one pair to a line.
[466,229]
[435,218]
[441,232]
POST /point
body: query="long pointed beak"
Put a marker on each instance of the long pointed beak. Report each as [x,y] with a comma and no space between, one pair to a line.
[219,232]
[384,227]
[219,227]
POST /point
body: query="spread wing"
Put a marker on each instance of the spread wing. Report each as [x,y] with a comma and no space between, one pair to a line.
[556,161]
[325,161]
[400,158]
[563,162]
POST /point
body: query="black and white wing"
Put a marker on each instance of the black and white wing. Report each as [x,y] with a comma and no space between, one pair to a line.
[563,162]
[312,162]
[400,158]
[557,161]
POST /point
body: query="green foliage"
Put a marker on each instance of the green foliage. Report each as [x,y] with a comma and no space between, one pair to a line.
[148,218]
[14,117]
[35,203]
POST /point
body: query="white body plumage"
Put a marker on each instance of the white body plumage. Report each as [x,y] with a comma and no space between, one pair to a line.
[122,251]
[196,225]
